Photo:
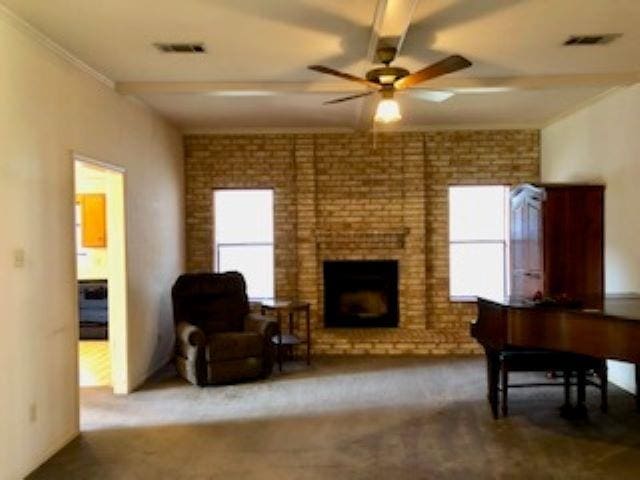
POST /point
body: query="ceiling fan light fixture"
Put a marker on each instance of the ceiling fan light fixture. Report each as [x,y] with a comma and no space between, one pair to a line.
[388,111]
[387,79]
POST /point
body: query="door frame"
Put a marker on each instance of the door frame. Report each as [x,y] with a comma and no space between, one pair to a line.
[118,299]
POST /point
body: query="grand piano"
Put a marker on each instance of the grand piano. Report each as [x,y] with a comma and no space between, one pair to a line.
[557,303]
[612,332]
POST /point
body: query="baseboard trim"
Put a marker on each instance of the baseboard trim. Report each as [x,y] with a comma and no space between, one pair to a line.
[149,374]
[50,452]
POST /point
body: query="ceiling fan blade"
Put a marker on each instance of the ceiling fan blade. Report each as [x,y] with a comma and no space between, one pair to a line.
[350,97]
[343,75]
[448,65]
[431,95]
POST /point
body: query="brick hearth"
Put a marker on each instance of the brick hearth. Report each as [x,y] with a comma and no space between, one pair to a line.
[344,197]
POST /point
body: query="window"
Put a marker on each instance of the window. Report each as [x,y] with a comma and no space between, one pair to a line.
[244,237]
[478,233]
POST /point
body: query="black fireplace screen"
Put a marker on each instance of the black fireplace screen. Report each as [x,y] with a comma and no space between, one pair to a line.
[361,293]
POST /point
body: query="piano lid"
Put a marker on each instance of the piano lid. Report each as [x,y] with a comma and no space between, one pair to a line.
[623,306]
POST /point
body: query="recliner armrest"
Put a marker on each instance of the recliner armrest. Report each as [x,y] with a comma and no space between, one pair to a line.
[190,353]
[265,326]
[189,334]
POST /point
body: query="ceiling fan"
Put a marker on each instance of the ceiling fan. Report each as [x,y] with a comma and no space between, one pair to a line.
[387,80]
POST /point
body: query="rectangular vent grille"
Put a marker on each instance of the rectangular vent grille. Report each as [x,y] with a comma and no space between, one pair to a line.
[592,39]
[181,47]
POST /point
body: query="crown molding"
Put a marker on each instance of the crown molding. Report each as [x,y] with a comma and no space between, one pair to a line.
[32,32]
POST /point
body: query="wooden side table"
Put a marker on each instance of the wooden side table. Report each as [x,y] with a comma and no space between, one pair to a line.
[288,309]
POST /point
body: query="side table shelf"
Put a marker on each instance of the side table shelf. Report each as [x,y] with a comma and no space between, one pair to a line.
[289,310]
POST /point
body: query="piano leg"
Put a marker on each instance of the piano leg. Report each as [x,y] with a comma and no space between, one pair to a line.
[504,386]
[493,374]
[581,408]
[604,387]
[566,408]
[579,411]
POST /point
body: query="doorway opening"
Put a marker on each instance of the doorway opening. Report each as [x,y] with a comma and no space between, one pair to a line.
[101,275]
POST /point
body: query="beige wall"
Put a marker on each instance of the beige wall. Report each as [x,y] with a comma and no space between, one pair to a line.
[600,143]
[48,108]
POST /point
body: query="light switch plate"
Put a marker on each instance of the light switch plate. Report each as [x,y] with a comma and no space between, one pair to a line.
[18,258]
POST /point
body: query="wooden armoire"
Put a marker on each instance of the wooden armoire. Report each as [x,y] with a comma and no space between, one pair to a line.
[557,243]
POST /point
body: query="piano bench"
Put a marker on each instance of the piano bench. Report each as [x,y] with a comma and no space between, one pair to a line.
[539,360]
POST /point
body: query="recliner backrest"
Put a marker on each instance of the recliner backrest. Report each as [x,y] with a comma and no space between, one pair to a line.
[215,302]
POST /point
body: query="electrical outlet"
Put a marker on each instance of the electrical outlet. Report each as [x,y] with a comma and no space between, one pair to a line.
[33,413]
[18,258]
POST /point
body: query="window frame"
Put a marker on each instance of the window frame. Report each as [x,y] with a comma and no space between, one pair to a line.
[216,246]
[504,242]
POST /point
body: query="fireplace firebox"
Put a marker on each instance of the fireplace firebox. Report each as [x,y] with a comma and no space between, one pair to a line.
[361,293]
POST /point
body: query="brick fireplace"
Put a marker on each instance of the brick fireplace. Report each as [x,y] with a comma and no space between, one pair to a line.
[350,197]
[360,293]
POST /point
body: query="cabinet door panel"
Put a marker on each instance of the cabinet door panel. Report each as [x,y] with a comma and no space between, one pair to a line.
[574,241]
[557,242]
[94,231]
[526,244]
[534,235]
[518,247]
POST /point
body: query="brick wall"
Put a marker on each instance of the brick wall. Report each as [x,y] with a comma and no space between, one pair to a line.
[352,196]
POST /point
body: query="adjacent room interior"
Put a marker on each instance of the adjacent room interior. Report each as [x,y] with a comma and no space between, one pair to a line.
[93,274]
[101,273]
[312,239]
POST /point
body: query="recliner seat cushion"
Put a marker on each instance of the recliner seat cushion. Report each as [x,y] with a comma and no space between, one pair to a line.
[234,345]
[230,371]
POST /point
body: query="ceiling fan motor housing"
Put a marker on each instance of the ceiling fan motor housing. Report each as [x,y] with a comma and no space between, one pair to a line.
[386,75]
[386,54]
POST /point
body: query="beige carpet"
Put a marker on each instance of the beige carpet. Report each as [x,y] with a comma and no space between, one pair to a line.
[347,418]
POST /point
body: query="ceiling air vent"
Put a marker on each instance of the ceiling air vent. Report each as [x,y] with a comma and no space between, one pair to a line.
[180,47]
[602,39]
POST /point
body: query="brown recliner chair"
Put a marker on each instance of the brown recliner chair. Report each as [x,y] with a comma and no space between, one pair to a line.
[217,340]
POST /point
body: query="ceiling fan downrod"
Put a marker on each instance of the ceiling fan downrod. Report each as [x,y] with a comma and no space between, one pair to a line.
[386,55]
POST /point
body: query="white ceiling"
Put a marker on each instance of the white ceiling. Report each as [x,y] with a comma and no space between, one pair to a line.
[262,43]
